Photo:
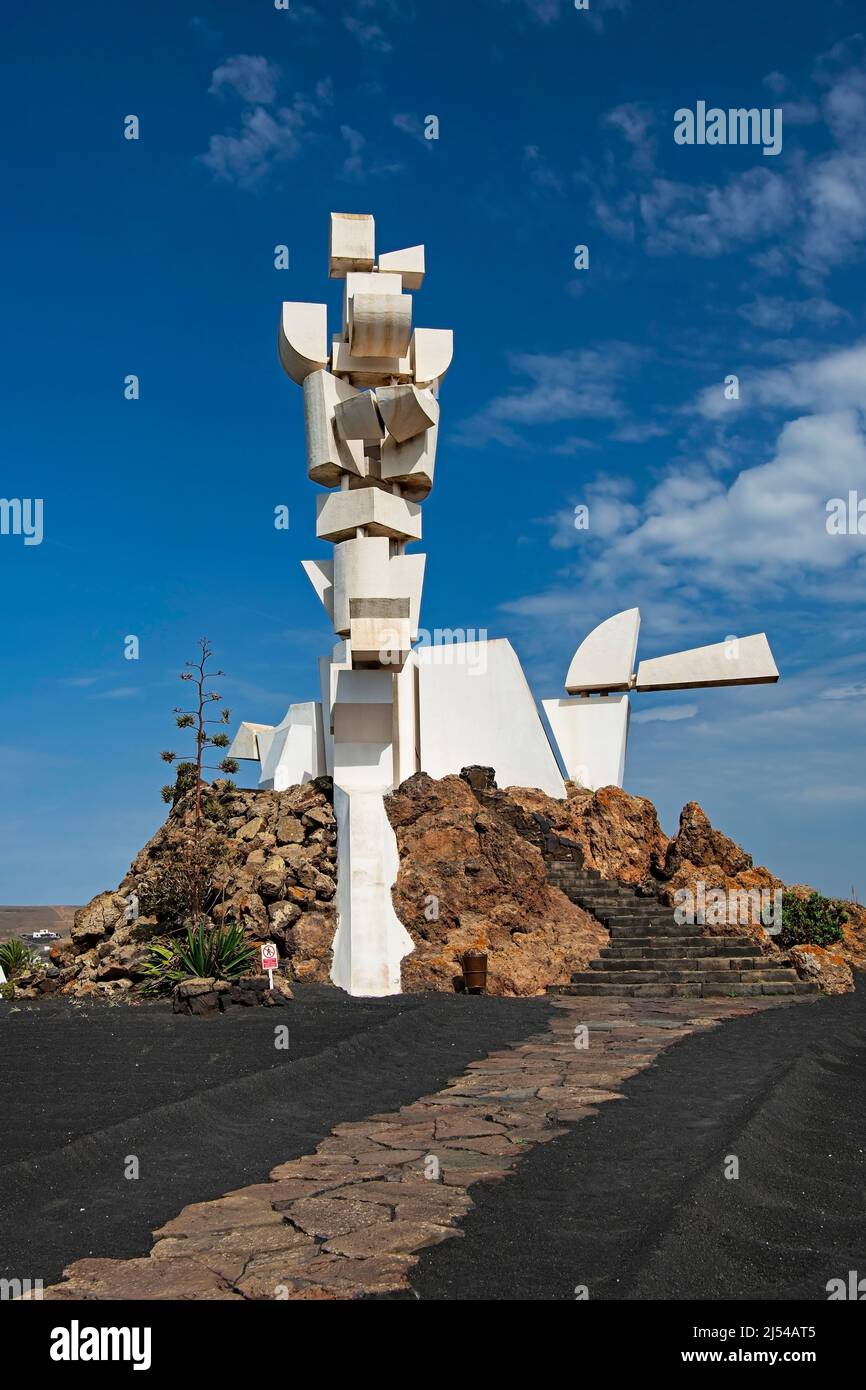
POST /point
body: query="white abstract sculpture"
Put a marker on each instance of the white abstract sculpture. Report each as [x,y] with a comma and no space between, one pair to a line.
[390,708]
[591,728]
[371,414]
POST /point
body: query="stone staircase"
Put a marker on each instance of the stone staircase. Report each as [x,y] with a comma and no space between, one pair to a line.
[650,956]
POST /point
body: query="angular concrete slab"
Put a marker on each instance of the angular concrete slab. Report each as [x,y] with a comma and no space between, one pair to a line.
[341,514]
[329,456]
[738,661]
[408,263]
[406,410]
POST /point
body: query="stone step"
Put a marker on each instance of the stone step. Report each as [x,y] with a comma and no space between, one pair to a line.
[704,977]
[685,991]
[561,868]
[654,947]
[635,907]
[660,933]
[718,945]
[702,963]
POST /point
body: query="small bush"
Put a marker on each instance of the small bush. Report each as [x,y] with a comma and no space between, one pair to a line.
[16,957]
[185,882]
[220,953]
[812,921]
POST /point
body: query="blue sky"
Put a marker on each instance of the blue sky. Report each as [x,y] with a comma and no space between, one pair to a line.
[602,387]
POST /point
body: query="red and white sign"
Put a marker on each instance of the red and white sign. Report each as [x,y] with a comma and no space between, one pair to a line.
[269,956]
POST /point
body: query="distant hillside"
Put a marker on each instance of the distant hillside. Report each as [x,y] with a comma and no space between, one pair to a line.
[18,921]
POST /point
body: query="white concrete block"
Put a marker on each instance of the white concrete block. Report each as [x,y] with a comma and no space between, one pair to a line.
[303,339]
[328,456]
[363,722]
[370,941]
[368,371]
[591,735]
[408,263]
[379,632]
[407,577]
[352,243]
[407,752]
[359,418]
[739,661]
[431,350]
[340,514]
[406,410]
[245,744]
[605,659]
[475,706]
[412,464]
[380,325]
[367,282]
[296,753]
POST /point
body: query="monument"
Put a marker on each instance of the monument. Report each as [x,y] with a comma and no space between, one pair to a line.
[390,707]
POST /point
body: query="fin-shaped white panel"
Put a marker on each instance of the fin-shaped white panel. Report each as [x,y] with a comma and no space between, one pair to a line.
[605,659]
[738,661]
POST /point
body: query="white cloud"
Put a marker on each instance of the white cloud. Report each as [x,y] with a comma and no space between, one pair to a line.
[665,714]
[356,166]
[835,382]
[578,384]
[265,138]
[779,315]
[635,122]
[809,211]
[253,79]
[370,36]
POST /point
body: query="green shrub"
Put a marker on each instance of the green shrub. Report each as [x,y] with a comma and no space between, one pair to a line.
[16,957]
[812,921]
[186,881]
[221,953]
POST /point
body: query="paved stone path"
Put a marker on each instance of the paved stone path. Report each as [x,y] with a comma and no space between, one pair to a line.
[348,1220]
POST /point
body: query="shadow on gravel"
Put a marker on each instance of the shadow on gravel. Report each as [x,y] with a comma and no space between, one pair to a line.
[634,1204]
[205,1105]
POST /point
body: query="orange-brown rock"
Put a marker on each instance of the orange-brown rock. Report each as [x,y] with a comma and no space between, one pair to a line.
[469,880]
[619,834]
[699,855]
[827,968]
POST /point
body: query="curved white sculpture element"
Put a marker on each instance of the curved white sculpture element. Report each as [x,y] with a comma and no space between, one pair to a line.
[303,339]
[431,351]
[605,659]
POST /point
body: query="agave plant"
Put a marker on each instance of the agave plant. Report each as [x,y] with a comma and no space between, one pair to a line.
[15,957]
[221,953]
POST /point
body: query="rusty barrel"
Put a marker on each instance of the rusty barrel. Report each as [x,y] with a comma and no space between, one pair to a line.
[475,971]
